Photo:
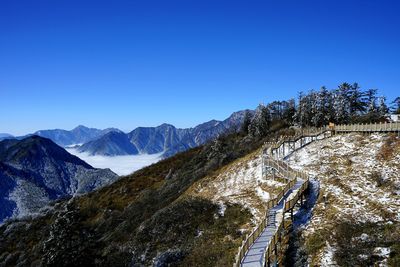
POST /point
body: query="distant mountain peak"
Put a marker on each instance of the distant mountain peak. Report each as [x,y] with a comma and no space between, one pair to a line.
[80,126]
[79,135]
[166,125]
[110,144]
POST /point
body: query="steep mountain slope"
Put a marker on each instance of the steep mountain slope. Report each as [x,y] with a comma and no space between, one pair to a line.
[165,138]
[356,220]
[110,144]
[35,170]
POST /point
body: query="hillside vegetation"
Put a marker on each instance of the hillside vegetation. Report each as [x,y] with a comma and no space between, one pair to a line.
[142,219]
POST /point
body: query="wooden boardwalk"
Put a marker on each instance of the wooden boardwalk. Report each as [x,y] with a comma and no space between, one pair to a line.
[255,256]
[260,248]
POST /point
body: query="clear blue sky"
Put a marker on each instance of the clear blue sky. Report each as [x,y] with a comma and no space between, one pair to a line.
[141,63]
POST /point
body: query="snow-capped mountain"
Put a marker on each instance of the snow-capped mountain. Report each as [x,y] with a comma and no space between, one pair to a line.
[35,170]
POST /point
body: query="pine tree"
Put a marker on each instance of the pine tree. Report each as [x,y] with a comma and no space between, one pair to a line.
[395,108]
[321,113]
[298,116]
[357,102]
[259,126]
[382,109]
[372,107]
[305,110]
[329,105]
[314,106]
[289,111]
[370,98]
[341,103]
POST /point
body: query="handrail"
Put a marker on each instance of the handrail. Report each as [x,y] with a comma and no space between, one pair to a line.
[291,176]
[369,127]
[249,240]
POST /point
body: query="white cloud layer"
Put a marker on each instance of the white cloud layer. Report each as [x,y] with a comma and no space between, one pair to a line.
[121,165]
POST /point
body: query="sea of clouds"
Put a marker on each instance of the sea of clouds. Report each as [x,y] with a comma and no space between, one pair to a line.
[121,165]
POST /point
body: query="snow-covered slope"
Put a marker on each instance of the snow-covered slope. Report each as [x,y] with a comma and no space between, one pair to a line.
[360,187]
[240,182]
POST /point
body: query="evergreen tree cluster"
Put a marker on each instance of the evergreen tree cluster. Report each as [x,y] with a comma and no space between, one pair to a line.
[343,105]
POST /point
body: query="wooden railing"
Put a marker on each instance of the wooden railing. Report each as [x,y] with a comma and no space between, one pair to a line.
[284,169]
[309,132]
[249,239]
[371,127]
[291,143]
[289,204]
[272,243]
[291,176]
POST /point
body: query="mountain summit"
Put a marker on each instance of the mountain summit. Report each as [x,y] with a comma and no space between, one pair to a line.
[110,144]
[35,170]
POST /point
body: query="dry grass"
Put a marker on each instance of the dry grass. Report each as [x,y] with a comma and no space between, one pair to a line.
[360,191]
[389,148]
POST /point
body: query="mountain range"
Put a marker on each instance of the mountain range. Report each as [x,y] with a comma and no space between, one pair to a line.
[165,138]
[35,171]
[78,135]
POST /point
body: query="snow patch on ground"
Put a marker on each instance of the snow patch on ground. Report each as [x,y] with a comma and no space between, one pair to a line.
[327,257]
[382,252]
[349,172]
[121,165]
[240,182]
[346,165]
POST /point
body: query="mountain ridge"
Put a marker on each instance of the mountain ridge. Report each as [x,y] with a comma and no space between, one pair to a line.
[166,138]
[35,171]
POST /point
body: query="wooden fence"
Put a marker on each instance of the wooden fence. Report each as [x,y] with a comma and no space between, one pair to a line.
[371,127]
